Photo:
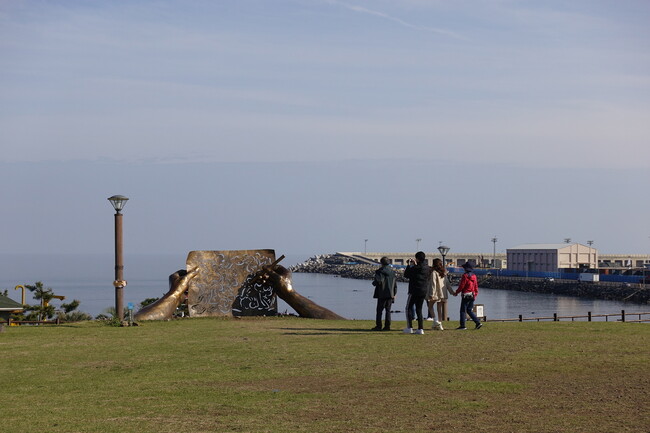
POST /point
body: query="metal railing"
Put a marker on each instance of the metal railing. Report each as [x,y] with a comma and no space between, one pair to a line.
[620,317]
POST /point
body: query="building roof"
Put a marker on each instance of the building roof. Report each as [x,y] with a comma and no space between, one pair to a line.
[541,246]
[7,304]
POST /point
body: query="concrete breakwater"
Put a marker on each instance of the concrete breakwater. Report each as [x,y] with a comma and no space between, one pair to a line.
[334,264]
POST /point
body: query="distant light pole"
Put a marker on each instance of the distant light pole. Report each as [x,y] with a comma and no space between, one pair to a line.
[417,244]
[590,243]
[118,202]
[365,246]
[494,252]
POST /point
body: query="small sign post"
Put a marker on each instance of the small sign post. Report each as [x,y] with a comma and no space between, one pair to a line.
[130,308]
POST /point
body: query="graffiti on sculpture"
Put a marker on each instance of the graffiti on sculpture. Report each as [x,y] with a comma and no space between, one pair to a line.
[255,298]
[225,283]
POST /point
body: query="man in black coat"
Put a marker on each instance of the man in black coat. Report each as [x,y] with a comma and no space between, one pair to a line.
[419,276]
[385,290]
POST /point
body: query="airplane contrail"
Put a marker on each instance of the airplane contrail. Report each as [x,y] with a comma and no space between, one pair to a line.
[400,21]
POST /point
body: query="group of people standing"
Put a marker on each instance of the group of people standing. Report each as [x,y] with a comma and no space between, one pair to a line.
[426,283]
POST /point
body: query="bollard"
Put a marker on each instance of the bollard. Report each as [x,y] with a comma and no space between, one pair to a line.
[555,317]
[588,316]
[622,315]
[521,319]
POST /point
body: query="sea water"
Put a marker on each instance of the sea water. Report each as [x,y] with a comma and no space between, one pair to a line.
[89,278]
[353,299]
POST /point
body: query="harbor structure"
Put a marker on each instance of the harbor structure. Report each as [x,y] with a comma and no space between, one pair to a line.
[497,260]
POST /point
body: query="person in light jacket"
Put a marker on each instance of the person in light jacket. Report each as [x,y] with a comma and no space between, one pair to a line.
[468,288]
[438,293]
[385,284]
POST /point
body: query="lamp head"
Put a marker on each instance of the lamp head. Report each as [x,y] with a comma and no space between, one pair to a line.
[443,250]
[118,202]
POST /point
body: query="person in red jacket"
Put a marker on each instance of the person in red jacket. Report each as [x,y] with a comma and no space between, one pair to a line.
[468,288]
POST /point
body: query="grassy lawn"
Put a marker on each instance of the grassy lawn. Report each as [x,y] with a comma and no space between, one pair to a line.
[302,375]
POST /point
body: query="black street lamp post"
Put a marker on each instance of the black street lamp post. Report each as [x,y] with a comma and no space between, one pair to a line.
[443,252]
[118,202]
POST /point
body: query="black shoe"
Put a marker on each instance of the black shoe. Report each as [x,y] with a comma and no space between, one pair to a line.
[478,325]
[376,328]
[387,328]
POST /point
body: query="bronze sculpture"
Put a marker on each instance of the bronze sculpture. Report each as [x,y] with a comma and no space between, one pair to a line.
[225,286]
[163,308]
[280,279]
[232,283]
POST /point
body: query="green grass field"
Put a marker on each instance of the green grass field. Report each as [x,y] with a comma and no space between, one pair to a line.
[303,375]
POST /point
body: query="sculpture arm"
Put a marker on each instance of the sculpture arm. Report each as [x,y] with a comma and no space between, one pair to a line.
[280,280]
[164,307]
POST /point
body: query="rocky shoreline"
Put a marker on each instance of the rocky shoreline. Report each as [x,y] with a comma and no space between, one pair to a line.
[333,264]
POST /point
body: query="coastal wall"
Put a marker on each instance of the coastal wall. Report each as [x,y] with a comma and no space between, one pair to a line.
[633,293]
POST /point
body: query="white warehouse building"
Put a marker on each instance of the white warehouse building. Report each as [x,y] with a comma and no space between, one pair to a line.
[551,257]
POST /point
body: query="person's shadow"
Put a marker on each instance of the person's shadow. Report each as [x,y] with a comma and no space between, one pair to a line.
[326,331]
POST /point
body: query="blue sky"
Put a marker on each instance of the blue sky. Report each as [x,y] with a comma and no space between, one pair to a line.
[342,120]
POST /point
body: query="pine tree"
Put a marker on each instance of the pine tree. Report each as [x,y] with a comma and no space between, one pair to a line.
[45,295]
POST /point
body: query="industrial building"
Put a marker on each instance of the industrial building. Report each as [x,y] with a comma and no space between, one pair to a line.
[551,257]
